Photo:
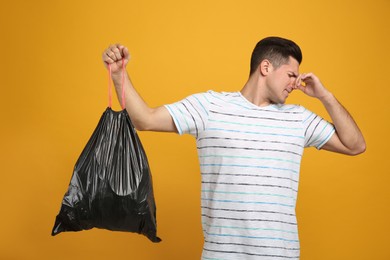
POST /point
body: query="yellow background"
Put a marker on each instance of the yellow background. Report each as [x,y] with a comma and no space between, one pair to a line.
[54,90]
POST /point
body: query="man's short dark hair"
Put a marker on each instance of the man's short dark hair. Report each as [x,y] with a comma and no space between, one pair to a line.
[275,49]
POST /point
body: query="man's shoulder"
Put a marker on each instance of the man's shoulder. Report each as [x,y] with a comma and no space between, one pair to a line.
[211,96]
[221,94]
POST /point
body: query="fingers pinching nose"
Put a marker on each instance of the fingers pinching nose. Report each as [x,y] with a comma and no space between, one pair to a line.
[300,80]
[297,82]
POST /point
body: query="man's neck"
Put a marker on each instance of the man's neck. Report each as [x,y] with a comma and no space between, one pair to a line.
[254,91]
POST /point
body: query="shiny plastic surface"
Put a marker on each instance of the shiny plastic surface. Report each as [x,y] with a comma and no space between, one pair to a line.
[111,187]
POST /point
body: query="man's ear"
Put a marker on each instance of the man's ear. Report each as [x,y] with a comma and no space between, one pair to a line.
[265,67]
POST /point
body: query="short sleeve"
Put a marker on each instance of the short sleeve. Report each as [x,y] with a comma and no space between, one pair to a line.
[190,115]
[317,130]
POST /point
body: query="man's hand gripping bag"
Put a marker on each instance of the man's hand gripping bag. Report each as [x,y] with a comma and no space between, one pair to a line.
[111,186]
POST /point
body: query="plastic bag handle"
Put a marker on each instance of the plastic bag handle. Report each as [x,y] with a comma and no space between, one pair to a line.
[123,83]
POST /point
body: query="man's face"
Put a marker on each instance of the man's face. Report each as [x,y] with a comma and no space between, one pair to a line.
[280,81]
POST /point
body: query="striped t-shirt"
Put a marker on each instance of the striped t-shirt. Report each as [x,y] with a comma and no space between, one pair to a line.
[249,159]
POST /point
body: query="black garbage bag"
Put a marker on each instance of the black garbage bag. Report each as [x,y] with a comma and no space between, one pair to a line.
[111,186]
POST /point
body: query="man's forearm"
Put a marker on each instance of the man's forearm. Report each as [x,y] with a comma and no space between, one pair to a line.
[346,128]
[136,107]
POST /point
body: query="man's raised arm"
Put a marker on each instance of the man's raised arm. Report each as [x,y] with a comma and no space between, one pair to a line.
[142,116]
[348,139]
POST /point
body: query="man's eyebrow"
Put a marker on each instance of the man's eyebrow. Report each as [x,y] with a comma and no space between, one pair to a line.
[295,75]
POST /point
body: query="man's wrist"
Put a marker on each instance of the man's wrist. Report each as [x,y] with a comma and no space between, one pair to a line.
[117,76]
[327,97]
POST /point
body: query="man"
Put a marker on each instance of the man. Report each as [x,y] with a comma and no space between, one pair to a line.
[250,146]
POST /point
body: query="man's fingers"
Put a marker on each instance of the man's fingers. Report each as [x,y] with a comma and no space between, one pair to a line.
[123,51]
[307,76]
[116,49]
[126,53]
[115,53]
[301,88]
[107,58]
[109,54]
[112,52]
[298,81]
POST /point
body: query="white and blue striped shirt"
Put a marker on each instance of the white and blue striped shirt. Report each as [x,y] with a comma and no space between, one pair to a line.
[249,159]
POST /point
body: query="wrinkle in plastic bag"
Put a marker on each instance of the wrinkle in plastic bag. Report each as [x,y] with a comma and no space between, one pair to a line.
[111,186]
